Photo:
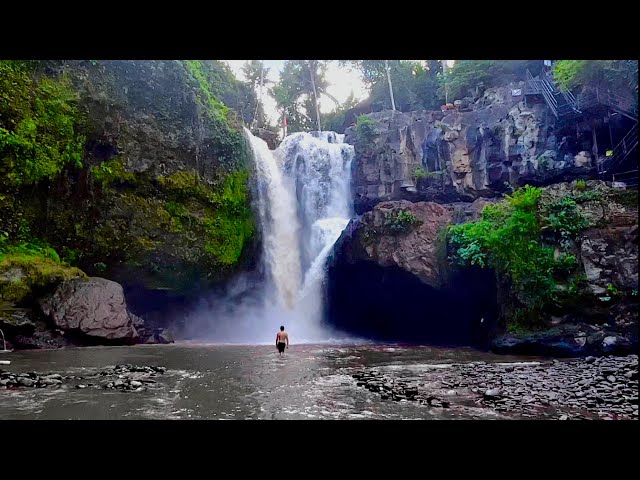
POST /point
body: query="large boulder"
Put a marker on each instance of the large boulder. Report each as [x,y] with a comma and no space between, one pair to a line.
[95,307]
[414,250]
[417,247]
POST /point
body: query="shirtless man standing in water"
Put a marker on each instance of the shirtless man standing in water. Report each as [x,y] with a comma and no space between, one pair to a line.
[281,337]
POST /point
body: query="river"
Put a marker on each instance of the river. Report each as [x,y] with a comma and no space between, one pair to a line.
[236,382]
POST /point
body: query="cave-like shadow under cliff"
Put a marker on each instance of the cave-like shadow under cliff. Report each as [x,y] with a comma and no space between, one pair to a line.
[391,304]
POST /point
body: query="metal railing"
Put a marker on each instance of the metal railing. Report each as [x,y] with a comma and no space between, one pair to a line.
[570,100]
[545,85]
[629,178]
[620,152]
[595,96]
[539,86]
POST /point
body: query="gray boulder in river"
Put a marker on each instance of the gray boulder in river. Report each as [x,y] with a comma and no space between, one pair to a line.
[95,307]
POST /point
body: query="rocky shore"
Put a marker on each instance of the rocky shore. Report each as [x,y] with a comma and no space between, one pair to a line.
[589,388]
[121,377]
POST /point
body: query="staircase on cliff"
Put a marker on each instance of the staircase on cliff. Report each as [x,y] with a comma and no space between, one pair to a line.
[561,102]
[565,106]
[609,167]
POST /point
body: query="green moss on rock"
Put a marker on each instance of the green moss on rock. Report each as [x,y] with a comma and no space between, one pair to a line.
[24,276]
[223,218]
[111,172]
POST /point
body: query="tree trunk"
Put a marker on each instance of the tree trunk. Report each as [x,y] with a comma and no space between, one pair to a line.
[393,103]
[259,99]
[444,74]
[315,95]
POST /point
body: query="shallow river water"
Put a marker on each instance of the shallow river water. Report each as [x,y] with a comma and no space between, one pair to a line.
[235,382]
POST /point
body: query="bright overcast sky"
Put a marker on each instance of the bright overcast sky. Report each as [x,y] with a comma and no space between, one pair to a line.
[342,82]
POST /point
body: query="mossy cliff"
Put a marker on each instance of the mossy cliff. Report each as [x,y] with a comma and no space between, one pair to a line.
[136,171]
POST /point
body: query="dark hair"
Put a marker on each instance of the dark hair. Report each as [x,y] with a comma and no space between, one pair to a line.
[281,328]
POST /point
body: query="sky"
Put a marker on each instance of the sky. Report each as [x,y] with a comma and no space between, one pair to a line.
[342,82]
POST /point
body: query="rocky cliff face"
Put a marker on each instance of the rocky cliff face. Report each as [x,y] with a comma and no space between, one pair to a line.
[390,273]
[408,236]
[389,277]
[156,196]
[162,199]
[479,151]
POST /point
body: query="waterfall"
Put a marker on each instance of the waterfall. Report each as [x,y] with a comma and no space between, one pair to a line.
[304,204]
[318,166]
[278,219]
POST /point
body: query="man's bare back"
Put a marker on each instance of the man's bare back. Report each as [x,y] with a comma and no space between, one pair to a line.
[282,340]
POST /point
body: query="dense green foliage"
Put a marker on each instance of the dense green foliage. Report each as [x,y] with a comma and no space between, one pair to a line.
[509,239]
[462,79]
[564,221]
[466,75]
[112,171]
[335,119]
[223,91]
[415,86]
[33,247]
[365,128]
[223,215]
[400,221]
[617,75]
[424,85]
[294,93]
[198,69]
[39,125]
[110,216]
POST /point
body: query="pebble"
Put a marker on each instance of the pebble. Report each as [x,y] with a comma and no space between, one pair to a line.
[604,385]
[10,380]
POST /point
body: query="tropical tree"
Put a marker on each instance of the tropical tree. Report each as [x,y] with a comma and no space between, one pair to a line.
[256,74]
[335,119]
[302,83]
[400,84]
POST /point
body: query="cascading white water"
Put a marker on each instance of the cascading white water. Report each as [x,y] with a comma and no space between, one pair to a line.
[277,209]
[319,167]
[304,203]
